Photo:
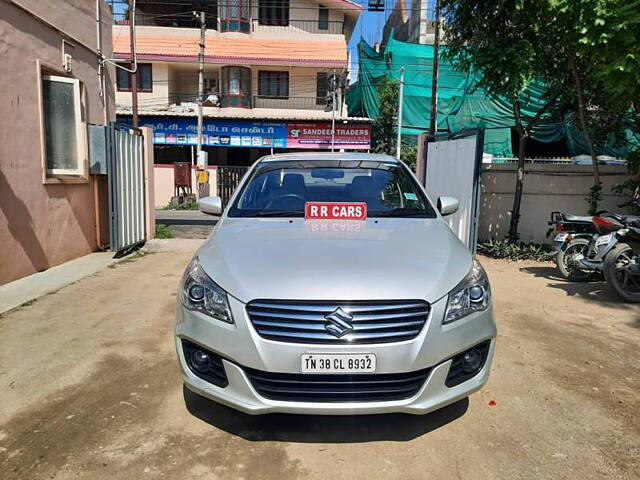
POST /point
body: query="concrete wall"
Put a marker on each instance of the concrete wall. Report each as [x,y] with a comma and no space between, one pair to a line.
[163,183]
[42,223]
[547,188]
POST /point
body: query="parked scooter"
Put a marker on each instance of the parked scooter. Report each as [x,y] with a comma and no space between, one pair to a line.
[573,235]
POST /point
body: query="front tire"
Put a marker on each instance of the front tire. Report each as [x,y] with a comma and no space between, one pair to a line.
[566,260]
[619,280]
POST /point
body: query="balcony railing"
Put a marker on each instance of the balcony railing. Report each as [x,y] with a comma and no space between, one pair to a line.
[256,101]
[291,103]
[308,26]
[188,20]
[178,20]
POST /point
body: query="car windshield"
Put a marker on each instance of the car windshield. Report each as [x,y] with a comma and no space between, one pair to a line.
[282,189]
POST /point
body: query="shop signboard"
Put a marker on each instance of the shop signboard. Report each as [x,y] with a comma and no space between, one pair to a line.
[256,134]
[317,135]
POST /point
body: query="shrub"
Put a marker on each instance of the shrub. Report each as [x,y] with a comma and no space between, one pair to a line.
[162,231]
[515,251]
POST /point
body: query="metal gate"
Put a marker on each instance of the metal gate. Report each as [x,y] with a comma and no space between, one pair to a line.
[452,168]
[228,180]
[125,170]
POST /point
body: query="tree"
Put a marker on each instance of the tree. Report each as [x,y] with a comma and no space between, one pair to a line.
[597,48]
[502,41]
[384,126]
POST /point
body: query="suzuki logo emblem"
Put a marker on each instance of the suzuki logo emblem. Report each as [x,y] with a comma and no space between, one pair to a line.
[338,322]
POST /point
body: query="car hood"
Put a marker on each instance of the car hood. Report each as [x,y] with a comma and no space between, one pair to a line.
[293,259]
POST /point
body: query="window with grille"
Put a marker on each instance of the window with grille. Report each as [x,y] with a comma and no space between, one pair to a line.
[323,18]
[273,12]
[322,87]
[144,77]
[273,84]
[236,87]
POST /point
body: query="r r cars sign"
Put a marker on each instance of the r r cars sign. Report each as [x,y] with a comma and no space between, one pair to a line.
[335,211]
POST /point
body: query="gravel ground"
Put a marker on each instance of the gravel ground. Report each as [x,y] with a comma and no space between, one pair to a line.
[90,388]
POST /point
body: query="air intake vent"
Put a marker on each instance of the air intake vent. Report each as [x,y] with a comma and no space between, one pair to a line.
[298,387]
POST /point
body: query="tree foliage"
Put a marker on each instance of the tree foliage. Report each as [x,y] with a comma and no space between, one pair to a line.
[384,128]
[501,39]
[587,51]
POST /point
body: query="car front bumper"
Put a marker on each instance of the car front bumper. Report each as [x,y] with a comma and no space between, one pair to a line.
[240,346]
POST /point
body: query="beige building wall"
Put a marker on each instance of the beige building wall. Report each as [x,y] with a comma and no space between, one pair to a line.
[302,80]
[160,91]
[547,188]
[173,80]
[45,224]
[299,11]
[163,183]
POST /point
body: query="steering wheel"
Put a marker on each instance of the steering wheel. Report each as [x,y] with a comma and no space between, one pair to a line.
[282,197]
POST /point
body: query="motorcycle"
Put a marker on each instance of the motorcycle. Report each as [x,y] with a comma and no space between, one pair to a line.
[606,253]
[573,235]
[621,265]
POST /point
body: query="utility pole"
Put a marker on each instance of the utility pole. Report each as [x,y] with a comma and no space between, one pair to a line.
[333,119]
[433,123]
[333,84]
[202,163]
[203,29]
[134,65]
[400,101]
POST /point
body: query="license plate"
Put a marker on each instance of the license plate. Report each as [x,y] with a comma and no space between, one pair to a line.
[604,239]
[561,237]
[338,363]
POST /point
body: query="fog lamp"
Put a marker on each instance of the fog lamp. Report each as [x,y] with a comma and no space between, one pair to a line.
[471,361]
[200,361]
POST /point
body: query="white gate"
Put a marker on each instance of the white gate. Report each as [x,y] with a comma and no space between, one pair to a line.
[452,168]
[125,170]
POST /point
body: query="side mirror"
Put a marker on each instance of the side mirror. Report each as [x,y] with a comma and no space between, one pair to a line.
[210,205]
[447,205]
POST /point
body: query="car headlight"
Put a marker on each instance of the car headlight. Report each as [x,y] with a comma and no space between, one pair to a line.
[472,294]
[200,293]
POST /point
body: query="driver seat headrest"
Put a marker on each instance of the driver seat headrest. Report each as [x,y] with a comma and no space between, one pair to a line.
[293,182]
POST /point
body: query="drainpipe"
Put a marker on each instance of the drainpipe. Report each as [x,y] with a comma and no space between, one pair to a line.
[101,65]
[103,95]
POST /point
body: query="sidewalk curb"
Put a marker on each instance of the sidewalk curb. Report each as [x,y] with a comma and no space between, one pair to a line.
[30,288]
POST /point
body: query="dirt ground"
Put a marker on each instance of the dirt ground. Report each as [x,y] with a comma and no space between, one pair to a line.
[90,388]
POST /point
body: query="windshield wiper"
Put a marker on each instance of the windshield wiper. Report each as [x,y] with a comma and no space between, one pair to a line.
[277,213]
[399,212]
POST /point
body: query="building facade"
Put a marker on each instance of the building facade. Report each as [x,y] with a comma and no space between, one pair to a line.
[413,25]
[268,70]
[51,208]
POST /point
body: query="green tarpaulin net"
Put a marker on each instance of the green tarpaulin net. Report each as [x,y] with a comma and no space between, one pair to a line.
[460,104]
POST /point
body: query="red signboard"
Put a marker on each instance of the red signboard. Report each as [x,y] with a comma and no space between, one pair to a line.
[335,211]
[318,135]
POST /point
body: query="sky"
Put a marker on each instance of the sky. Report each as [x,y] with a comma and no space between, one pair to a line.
[369,27]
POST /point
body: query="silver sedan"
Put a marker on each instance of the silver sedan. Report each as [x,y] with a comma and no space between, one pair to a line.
[331,285]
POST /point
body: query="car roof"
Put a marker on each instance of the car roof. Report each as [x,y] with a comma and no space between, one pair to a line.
[323,156]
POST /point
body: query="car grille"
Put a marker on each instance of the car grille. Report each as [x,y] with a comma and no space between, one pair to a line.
[305,322]
[298,387]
